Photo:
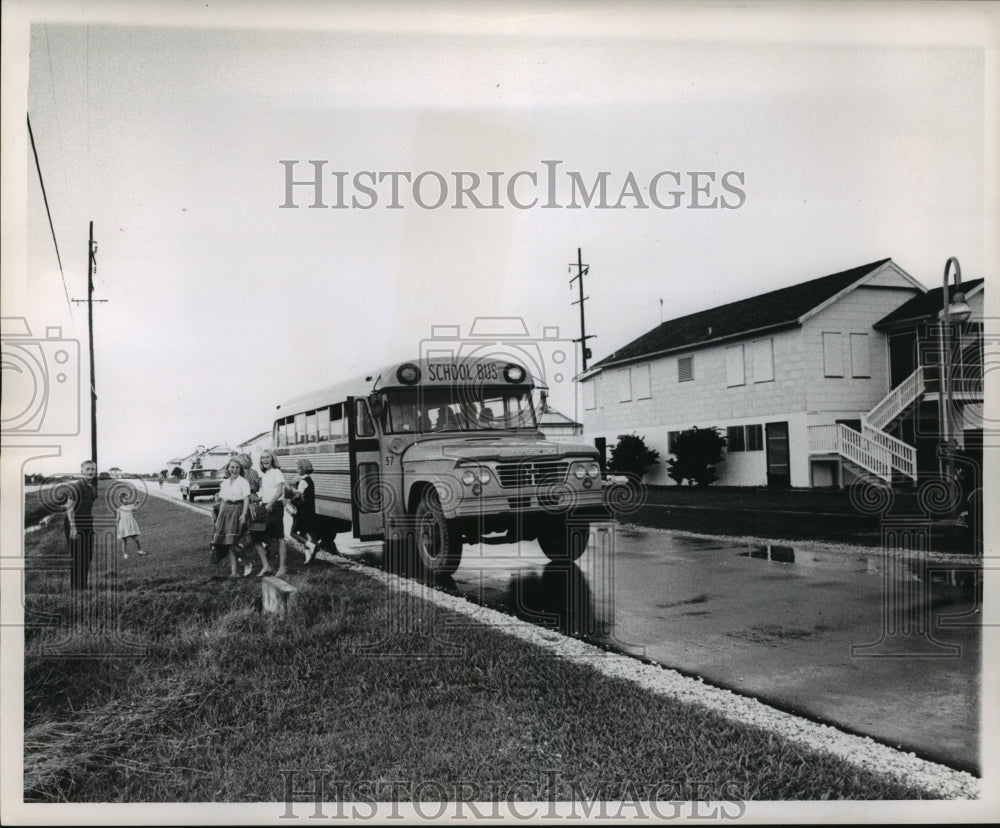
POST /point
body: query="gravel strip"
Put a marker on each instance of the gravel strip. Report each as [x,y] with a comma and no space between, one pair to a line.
[939,781]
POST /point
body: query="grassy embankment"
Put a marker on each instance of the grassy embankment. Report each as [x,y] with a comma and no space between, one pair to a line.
[223,699]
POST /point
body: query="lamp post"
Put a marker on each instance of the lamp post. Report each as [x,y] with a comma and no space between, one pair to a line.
[957,310]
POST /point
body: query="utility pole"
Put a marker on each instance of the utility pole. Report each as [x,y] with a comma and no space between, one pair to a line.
[91,268]
[581,271]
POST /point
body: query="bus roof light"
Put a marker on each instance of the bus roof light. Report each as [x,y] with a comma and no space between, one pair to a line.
[514,373]
[408,374]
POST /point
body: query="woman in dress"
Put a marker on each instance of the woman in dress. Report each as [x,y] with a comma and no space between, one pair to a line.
[234,509]
[272,492]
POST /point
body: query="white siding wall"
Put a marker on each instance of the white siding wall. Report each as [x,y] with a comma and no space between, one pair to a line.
[708,400]
[848,396]
[705,396]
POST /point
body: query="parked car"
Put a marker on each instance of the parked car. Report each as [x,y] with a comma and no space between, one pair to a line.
[200,482]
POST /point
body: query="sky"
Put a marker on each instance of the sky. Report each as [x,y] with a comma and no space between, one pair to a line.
[846,134]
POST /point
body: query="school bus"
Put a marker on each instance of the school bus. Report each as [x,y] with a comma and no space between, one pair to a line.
[448,447]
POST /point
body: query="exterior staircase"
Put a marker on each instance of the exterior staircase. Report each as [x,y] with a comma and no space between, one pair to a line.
[872,448]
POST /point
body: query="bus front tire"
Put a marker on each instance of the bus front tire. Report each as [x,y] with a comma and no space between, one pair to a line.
[439,546]
[564,542]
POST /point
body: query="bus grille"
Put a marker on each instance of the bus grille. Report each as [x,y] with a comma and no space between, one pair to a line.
[531,473]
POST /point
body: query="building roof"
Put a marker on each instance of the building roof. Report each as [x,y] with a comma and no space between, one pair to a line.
[926,305]
[254,439]
[554,417]
[777,308]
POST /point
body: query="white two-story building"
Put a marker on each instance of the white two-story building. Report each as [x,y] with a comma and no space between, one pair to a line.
[797,379]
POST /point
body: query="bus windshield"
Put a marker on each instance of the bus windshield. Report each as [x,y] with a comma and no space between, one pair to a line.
[457,408]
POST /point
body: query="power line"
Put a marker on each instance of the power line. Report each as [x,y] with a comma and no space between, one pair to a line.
[48,212]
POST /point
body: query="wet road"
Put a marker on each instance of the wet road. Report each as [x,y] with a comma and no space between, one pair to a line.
[888,648]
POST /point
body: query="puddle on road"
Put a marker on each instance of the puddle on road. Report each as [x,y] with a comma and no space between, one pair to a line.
[771,552]
[963,578]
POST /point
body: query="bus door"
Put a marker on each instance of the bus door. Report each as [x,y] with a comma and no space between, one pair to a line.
[366,484]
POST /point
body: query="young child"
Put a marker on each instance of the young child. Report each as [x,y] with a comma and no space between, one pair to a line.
[302,507]
[128,528]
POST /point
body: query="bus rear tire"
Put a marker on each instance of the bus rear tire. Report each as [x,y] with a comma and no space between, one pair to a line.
[564,542]
[439,546]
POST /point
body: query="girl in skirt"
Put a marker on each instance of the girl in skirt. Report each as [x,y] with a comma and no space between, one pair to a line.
[303,508]
[128,527]
[234,509]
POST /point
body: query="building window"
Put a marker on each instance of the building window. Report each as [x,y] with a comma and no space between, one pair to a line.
[763,360]
[640,382]
[590,394]
[337,421]
[755,438]
[833,355]
[625,389]
[734,439]
[735,372]
[685,368]
[860,359]
[672,441]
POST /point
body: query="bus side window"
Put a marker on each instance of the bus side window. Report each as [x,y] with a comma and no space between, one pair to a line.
[323,419]
[311,427]
[362,420]
[337,421]
[300,428]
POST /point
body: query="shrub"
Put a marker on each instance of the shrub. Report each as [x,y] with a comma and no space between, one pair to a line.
[632,456]
[695,454]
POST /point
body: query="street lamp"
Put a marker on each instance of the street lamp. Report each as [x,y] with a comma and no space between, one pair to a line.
[958,311]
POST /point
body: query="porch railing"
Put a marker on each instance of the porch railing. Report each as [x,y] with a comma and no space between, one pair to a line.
[896,401]
[874,451]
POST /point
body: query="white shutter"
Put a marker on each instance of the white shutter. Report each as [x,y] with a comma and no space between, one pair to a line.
[860,356]
[640,382]
[833,355]
[763,360]
[625,385]
[735,372]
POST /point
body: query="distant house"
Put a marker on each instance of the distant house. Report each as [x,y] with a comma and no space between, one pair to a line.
[558,427]
[115,472]
[800,380]
[255,445]
[214,458]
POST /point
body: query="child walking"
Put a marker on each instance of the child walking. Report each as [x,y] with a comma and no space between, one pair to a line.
[128,528]
[303,509]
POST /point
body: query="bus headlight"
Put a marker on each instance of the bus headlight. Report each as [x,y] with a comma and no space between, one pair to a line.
[476,475]
[593,470]
[579,471]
